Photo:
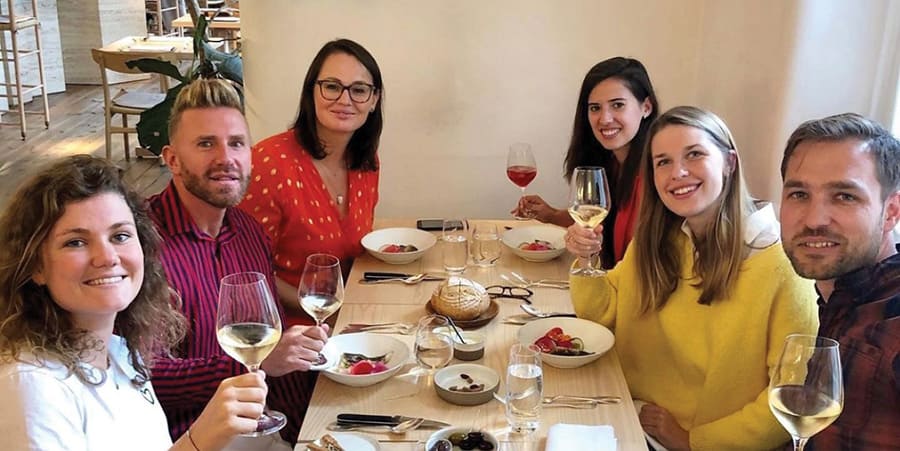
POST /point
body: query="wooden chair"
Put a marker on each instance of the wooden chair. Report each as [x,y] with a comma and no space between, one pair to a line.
[126,102]
[16,91]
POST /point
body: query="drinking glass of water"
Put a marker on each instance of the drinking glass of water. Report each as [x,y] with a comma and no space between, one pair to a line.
[434,346]
[524,388]
[485,245]
[455,247]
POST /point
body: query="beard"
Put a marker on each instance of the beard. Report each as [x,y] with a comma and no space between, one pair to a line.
[864,253]
[218,197]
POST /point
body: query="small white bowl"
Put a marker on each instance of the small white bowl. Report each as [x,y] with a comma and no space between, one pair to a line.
[556,236]
[447,432]
[597,339]
[451,376]
[366,344]
[376,240]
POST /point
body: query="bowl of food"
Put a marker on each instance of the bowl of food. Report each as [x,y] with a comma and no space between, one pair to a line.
[539,243]
[466,384]
[398,245]
[461,438]
[363,359]
[567,342]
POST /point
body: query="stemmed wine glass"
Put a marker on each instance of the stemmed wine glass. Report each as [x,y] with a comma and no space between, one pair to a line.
[590,203]
[806,392]
[248,328]
[520,167]
[434,346]
[321,289]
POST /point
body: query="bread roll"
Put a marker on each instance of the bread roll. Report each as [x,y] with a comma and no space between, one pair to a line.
[460,299]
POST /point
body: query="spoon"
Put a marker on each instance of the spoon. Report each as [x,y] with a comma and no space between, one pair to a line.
[531,310]
[400,428]
[411,280]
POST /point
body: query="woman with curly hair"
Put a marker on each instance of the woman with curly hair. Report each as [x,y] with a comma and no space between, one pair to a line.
[78,261]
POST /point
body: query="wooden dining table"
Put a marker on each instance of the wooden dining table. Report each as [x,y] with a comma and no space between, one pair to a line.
[181,46]
[402,395]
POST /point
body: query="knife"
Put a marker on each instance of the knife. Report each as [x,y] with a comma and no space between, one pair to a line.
[374,275]
[383,420]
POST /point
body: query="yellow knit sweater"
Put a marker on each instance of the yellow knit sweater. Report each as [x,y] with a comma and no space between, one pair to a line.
[707,365]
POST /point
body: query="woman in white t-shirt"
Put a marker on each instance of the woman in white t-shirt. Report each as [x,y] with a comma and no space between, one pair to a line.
[78,260]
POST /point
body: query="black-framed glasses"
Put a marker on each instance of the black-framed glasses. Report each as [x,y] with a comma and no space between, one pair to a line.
[501,291]
[359,92]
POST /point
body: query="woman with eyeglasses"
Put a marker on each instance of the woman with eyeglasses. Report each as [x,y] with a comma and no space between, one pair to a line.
[704,297]
[315,186]
[615,107]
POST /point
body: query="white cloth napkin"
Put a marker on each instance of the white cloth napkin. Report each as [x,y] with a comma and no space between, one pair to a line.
[566,437]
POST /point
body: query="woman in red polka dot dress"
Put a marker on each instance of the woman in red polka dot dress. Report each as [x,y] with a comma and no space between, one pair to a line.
[315,187]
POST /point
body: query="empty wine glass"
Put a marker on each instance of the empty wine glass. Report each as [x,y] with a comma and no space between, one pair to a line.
[248,328]
[806,392]
[321,289]
[590,203]
[434,346]
[521,168]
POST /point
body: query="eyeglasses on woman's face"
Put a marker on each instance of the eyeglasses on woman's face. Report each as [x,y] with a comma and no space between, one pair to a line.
[359,92]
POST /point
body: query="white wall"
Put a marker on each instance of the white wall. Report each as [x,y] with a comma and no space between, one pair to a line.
[465,79]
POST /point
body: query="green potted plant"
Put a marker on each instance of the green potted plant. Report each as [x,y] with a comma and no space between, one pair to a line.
[153,127]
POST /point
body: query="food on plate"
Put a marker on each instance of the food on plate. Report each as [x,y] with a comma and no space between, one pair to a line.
[472,440]
[469,387]
[397,248]
[460,299]
[556,342]
[326,443]
[536,245]
[359,364]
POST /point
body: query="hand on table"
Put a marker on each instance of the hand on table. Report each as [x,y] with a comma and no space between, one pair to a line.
[297,350]
[233,410]
[583,243]
[661,425]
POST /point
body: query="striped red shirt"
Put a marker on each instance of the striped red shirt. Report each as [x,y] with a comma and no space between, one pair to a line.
[195,263]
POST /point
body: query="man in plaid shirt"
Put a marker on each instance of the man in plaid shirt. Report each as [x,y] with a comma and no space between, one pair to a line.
[839,205]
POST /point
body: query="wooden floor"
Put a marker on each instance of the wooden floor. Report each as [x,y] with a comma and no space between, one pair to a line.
[76,127]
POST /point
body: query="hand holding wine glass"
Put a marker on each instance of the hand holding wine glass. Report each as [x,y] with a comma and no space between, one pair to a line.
[321,289]
[248,327]
[806,392]
[521,168]
[590,203]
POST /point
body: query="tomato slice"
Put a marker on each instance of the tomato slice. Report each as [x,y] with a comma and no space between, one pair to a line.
[564,344]
[545,344]
[362,367]
[554,333]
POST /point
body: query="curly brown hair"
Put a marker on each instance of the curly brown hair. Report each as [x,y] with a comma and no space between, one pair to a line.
[30,320]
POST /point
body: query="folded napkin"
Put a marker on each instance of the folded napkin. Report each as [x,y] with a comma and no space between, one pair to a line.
[566,437]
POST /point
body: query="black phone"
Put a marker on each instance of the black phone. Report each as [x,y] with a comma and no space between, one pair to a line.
[434,224]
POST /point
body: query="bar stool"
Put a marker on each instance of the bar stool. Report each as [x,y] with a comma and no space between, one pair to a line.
[16,91]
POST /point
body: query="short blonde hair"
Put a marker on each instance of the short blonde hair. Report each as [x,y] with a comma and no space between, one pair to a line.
[204,93]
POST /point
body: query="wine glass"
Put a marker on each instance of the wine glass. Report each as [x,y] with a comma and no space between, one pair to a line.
[590,203]
[806,392]
[520,167]
[434,346]
[248,328]
[321,289]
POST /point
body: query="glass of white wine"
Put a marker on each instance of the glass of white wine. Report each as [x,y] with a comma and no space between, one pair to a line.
[321,289]
[248,327]
[590,203]
[806,392]
[434,346]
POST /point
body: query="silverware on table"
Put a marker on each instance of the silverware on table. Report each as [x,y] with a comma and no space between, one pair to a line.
[384,328]
[351,419]
[376,277]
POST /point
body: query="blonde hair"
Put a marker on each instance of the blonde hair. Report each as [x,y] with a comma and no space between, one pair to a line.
[204,93]
[721,249]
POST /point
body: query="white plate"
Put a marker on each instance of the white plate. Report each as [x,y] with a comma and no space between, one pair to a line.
[356,442]
[554,235]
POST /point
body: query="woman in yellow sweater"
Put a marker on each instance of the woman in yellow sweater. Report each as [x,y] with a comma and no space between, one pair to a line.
[704,296]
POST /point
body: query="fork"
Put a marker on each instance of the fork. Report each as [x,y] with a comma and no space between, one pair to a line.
[526,283]
[388,328]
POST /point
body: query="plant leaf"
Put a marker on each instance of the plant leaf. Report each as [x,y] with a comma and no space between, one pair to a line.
[229,65]
[153,127]
[200,37]
[155,66]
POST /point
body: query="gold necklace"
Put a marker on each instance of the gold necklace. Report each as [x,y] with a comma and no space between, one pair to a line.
[330,179]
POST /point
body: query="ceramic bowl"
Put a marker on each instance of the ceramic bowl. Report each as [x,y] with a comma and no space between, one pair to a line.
[514,238]
[366,344]
[449,377]
[447,432]
[597,339]
[378,239]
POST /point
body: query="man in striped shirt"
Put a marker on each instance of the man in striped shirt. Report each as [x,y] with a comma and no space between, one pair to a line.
[840,203]
[206,239]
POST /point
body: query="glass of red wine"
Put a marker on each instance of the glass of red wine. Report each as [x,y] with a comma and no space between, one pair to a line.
[520,167]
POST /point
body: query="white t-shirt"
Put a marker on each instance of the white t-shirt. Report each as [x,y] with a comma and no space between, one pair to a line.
[43,408]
